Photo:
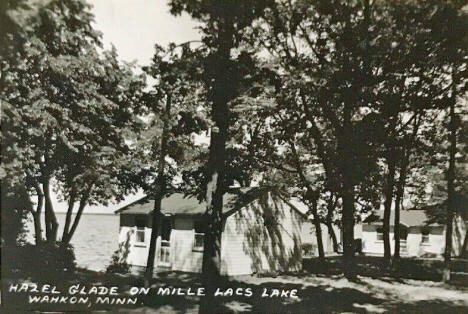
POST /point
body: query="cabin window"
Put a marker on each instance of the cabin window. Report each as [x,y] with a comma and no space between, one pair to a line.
[199,235]
[140,224]
[379,234]
[425,236]
[140,235]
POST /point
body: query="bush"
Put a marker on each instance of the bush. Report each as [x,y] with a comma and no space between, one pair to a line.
[308,250]
[118,264]
[43,260]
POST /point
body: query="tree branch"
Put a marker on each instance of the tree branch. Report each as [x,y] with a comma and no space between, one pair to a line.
[66,240]
[71,205]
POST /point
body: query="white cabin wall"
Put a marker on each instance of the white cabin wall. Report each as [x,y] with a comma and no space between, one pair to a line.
[234,257]
[183,257]
[435,245]
[137,252]
[370,244]
[248,246]
[414,245]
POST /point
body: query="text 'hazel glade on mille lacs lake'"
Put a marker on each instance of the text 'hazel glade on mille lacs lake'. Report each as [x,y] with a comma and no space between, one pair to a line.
[82,290]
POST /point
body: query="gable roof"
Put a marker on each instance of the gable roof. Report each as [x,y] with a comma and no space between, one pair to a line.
[179,204]
[410,218]
[176,203]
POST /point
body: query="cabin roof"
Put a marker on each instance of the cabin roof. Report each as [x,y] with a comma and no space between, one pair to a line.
[410,218]
[179,204]
[176,203]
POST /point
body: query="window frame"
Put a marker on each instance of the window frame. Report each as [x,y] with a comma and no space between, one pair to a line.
[199,228]
[140,230]
[164,257]
[198,248]
[425,239]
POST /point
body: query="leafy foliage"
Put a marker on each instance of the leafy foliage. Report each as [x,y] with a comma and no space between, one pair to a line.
[67,109]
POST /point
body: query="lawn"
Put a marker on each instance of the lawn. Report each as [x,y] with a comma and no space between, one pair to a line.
[319,292]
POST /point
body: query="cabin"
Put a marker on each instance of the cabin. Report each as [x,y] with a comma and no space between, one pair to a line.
[417,237]
[261,233]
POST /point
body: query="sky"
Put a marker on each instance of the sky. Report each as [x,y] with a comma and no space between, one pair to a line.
[134,27]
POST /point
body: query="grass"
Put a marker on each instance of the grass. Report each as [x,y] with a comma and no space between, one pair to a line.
[320,289]
[407,268]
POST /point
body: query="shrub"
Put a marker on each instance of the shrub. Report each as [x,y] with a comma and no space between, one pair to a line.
[118,264]
[43,260]
[308,250]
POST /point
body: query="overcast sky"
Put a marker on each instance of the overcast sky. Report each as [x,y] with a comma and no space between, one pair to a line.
[134,27]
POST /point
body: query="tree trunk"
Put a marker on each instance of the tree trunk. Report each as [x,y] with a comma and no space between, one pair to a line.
[211,269]
[50,218]
[330,209]
[398,200]
[37,228]
[348,234]
[348,194]
[37,214]
[84,199]
[396,225]
[387,211]
[71,205]
[389,186]
[312,196]
[221,93]
[318,235]
[315,132]
[159,194]
[401,187]
[318,231]
[331,232]
[450,192]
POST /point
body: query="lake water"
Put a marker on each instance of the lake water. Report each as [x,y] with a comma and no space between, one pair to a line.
[95,239]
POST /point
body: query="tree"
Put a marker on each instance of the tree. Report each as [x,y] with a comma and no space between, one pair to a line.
[445,77]
[409,142]
[14,208]
[414,91]
[224,24]
[364,71]
[450,190]
[457,52]
[177,76]
[334,68]
[67,111]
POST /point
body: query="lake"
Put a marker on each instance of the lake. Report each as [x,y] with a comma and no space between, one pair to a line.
[95,239]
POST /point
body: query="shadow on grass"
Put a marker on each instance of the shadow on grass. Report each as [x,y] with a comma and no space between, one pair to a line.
[356,297]
[375,267]
[324,292]
[312,299]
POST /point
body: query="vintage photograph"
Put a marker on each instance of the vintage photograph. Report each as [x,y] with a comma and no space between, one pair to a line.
[234,156]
